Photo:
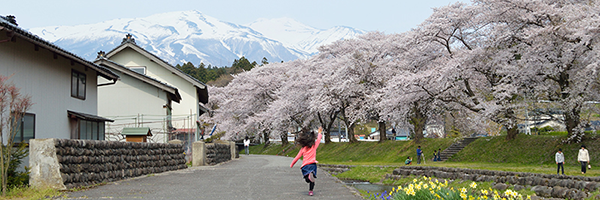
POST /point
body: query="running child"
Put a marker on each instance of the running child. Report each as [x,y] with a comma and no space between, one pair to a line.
[306,139]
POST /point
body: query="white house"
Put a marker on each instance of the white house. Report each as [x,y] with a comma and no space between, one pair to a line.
[136,100]
[193,92]
[62,86]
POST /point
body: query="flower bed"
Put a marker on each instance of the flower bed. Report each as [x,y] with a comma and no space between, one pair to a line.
[426,188]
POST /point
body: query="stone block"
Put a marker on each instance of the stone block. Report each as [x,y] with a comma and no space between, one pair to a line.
[45,168]
[199,150]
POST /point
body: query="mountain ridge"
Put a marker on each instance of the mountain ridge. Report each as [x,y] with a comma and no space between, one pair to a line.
[190,36]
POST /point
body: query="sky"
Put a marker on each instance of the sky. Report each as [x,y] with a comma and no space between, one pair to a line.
[388,16]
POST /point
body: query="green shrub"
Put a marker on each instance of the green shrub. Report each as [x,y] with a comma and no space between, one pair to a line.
[18,178]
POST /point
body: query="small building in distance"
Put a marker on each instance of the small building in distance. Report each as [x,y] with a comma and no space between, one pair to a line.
[136,134]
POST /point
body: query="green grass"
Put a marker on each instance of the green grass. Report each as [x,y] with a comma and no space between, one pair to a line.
[366,173]
[362,153]
[526,150]
[527,153]
[31,193]
[534,154]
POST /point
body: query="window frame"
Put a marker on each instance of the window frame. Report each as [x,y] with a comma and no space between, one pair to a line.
[20,135]
[76,84]
[90,130]
[134,68]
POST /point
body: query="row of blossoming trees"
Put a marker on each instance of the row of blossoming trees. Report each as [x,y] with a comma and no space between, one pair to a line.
[487,60]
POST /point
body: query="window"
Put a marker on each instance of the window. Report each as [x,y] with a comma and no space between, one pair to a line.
[85,126]
[91,130]
[26,129]
[140,69]
[77,84]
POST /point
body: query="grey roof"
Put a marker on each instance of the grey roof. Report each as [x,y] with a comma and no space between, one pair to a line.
[88,117]
[7,25]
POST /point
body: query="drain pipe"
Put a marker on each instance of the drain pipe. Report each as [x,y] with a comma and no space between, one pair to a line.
[10,35]
[104,84]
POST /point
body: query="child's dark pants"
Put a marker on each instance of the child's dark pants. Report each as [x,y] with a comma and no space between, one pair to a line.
[311,185]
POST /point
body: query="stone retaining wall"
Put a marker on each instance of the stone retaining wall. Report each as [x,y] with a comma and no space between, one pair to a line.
[217,153]
[213,153]
[65,164]
[545,185]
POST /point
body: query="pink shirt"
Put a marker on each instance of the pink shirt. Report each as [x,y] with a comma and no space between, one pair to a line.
[309,154]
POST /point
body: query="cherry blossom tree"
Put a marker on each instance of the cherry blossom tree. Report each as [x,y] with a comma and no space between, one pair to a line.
[552,44]
[247,95]
[486,60]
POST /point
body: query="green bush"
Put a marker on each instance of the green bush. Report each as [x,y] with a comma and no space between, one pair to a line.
[18,178]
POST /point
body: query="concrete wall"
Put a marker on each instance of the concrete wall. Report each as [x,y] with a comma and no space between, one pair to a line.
[213,153]
[65,164]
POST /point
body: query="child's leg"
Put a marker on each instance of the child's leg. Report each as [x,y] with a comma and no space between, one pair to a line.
[307,179]
[311,186]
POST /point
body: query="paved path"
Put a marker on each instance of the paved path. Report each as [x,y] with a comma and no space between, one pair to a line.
[249,177]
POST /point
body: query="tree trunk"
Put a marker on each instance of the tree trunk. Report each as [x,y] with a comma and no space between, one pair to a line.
[266,137]
[327,125]
[350,130]
[4,173]
[382,133]
[284,139]
[511,133]
[418,120]
[572,121]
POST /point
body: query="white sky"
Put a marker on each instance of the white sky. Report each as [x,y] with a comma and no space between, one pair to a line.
[389,16]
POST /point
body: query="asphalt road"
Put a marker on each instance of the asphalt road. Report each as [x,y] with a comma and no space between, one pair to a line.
[249,177]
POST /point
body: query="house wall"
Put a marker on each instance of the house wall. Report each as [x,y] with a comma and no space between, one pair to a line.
[48,82]
[133,103]
[189,98]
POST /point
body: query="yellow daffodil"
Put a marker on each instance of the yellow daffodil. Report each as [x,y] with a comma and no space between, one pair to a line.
[473,185]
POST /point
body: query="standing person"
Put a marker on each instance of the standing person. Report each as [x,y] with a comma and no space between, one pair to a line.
[560,161]
[419,152]
[584,158]
[246,145]
[439,155]
[306,139]
[434,155]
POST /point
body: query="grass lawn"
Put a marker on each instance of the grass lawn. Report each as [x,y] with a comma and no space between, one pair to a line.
[534,154]
[525,154]
[31,193]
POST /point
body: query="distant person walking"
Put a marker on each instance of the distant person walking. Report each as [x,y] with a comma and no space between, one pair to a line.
[419,153]
[439,155]
[584,158]
[560,161]
[434,155]
[247,145]
[306,139]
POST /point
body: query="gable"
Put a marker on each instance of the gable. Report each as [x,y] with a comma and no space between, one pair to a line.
[137,56]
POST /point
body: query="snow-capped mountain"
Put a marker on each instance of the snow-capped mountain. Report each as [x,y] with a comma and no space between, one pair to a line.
[190,36]
[301,37]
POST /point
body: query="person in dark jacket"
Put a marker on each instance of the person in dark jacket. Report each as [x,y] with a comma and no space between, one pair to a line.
[419,153]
